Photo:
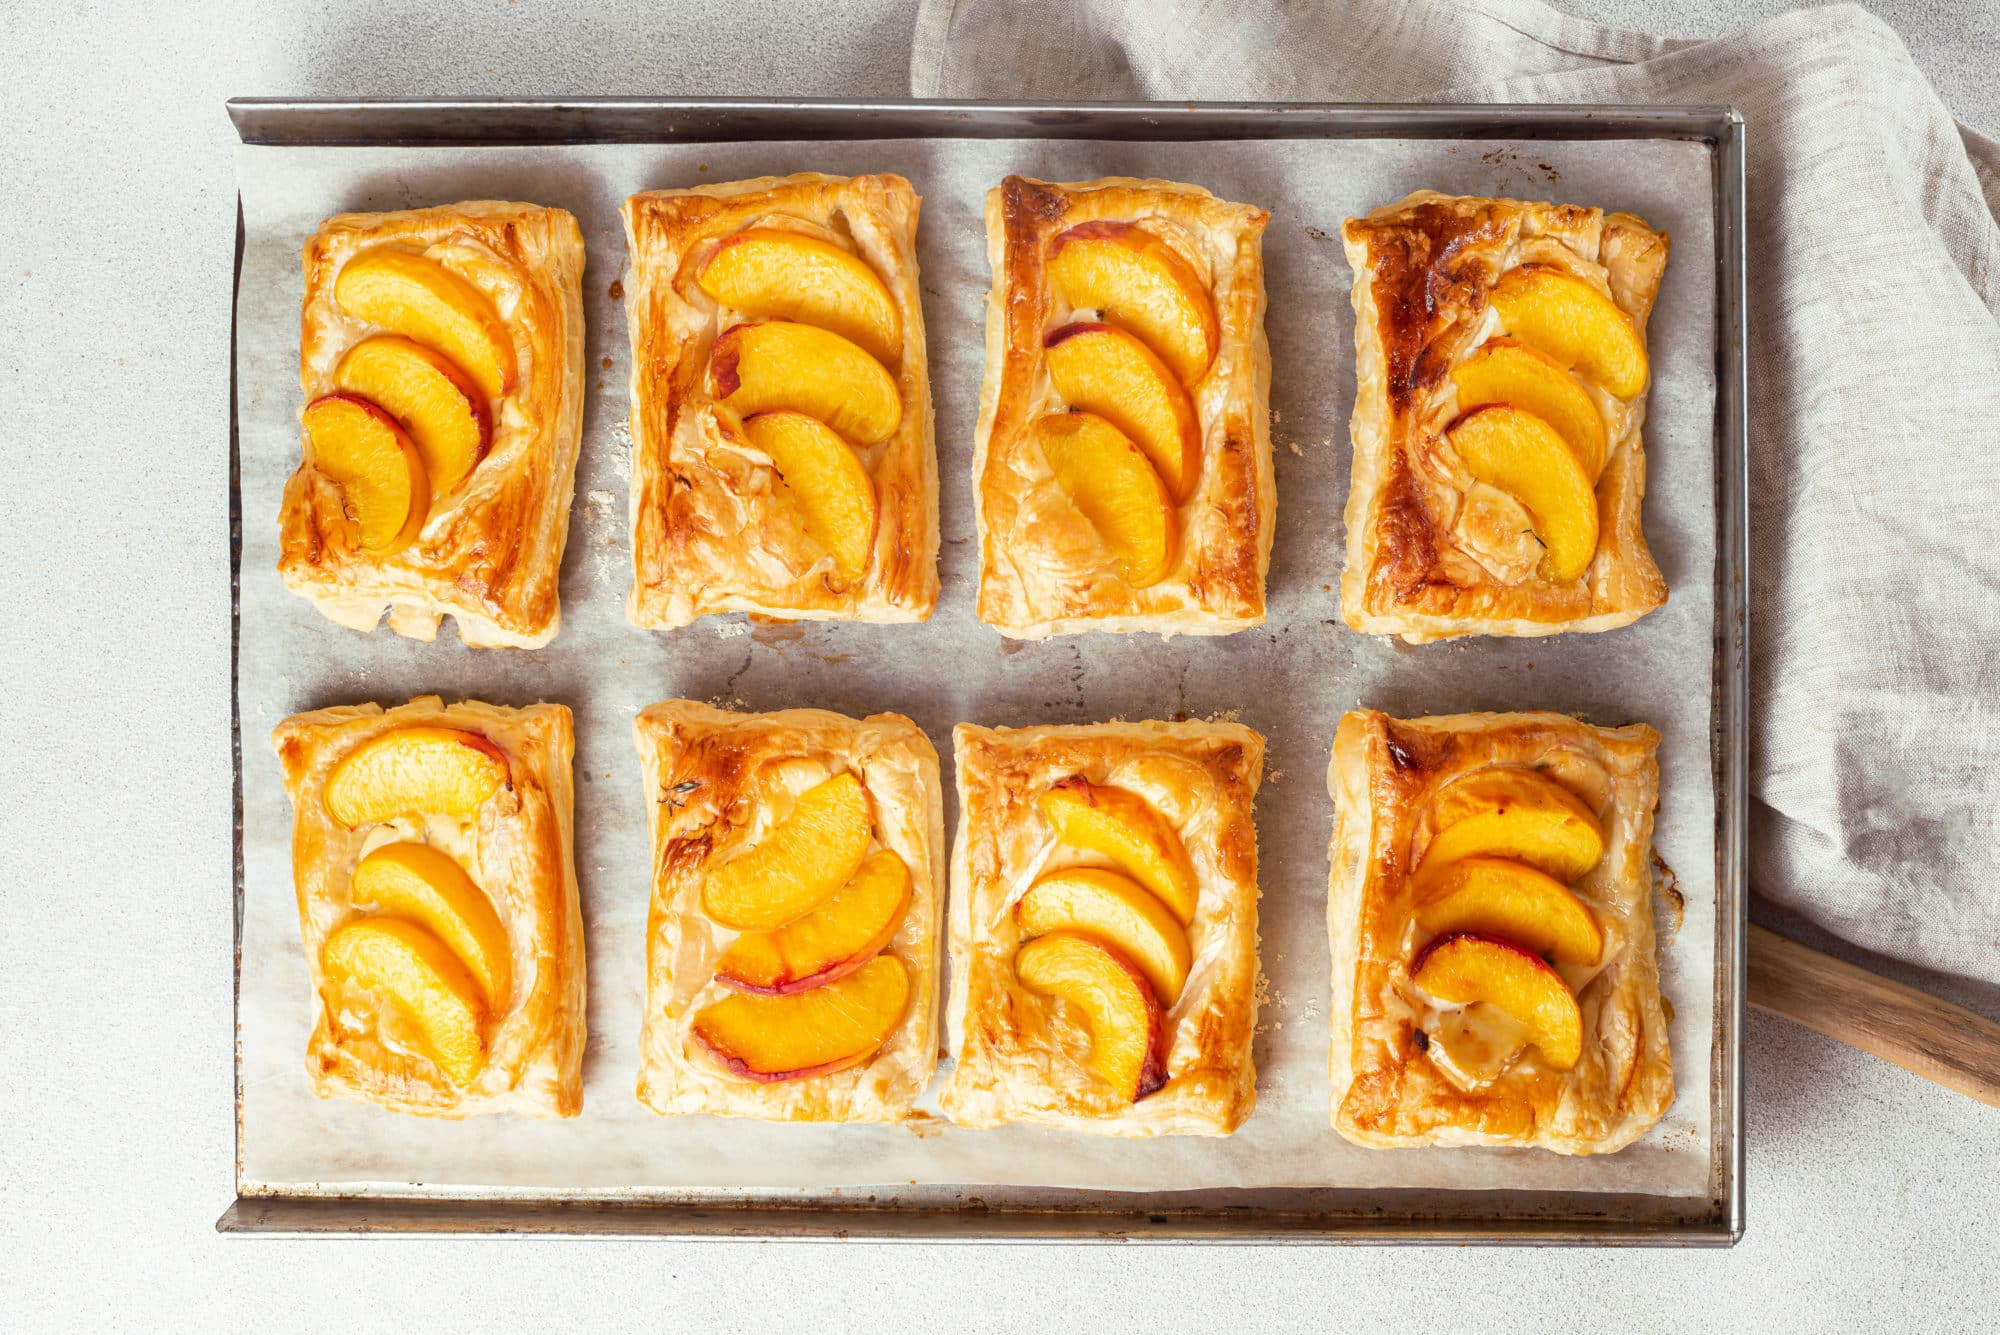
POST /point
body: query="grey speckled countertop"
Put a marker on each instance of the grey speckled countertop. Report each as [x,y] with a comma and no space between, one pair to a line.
[1871,1193]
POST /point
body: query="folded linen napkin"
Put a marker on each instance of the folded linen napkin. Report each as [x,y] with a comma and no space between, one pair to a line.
[1875,382]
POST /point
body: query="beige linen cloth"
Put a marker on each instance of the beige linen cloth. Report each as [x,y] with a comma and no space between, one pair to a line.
[1875,381]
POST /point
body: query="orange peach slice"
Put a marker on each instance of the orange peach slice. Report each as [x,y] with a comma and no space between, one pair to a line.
[1115,908]
[1464,969]
[437,403]
[831,942]
[412,772]
[375,465]
[812,851]
[1504,371]
[775,364]
[1120,825]
[407,293]
[1114,486]
[1522,455]
[1510,812]
[771,273]
[1137,281]
[802,1034]
[422,979]
[1575,324]
[428,887]
[835,495]
[1127,1041]
[1490,896]
[1101,369]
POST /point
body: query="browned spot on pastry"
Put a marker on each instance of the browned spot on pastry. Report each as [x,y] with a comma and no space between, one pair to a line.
[1422,272]
[682,857]
[1406,553]
[1028,202]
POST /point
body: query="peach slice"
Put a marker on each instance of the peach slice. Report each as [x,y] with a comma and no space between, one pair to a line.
[1115,908]
[812,851]
[1517,813]
[1121,825]
[443,411]
[815,1032]
[835,495]
[414,771]
[1490,896]
[1504,371]
[771,273]
[422,979]
[407,293]
[375,465]
[1127,1041]
[776,364]
[428,887]
[1099,368]
[1522,455]
[1114,486]
[1464,969]
[1137,281]
[831,942]
[1575,324]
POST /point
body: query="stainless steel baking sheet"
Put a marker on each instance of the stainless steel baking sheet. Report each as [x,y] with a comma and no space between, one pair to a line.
[307,1165]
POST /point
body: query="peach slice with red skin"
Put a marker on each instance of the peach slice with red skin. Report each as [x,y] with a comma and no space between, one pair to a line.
[414,295]
[802,1034]
[777,364]
[413,772]
[1114,908]
[1137,281]
[1513,812]
[428,887]
[1114,1001]
[1122,826]
[366,453]
[1504,371]
[831,942]
[1489,896]
[832,489]
[1516,451]
[773,273]
[1574,323]
[1464,969]
[1099,368]
[440,407]
[422,979]
[1116,489]
[799,864]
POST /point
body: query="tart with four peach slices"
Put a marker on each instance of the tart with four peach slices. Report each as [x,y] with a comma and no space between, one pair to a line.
[431,854]
[1502,370]
[441,353]
[1122,468]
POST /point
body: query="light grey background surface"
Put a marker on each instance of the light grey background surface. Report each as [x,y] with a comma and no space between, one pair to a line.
[1871,1193]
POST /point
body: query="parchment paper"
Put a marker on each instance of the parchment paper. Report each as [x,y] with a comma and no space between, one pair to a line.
[1290,679]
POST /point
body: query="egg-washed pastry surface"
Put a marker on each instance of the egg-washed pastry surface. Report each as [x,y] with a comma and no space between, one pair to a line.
[1490,916]
[1502,369]
[431,854]
[1104,928]
[1122,467]
[782,456]
[792,943]
[441,354]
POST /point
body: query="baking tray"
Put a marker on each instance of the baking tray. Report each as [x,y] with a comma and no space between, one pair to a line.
[1025,1214]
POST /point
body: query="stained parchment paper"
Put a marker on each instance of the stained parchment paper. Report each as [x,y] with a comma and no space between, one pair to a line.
[1290,679]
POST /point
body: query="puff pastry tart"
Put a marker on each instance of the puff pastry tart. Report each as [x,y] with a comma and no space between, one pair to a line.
[791,951]
[1122,470]
[1491,923]
[442,357]
[437,898]
[782,460]
[1498,469]
[1104,928]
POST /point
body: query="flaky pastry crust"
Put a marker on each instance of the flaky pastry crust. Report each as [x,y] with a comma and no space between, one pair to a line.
[712,530]
[715,782]
[1389,1089]
[517,848]
[1020,1056]
[489,553]
[1043,570]
[1423,269]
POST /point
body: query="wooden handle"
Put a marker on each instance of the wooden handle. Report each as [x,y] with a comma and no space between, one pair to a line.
[1943,1043]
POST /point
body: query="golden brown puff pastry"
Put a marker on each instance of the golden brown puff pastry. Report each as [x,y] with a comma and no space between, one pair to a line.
[517,849]
[489,551]
[1392,1058]
[1021,1056]
[716,783]
[1432,553]
[1043,569]
[714,526]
